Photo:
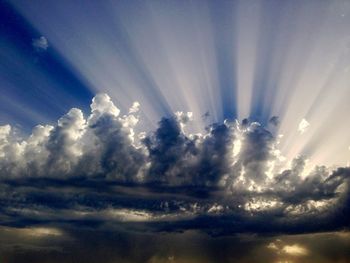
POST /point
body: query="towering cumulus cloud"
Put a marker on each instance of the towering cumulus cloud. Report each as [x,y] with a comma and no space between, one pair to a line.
[230,179]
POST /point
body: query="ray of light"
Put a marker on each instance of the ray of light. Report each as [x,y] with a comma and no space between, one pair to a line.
[233,59]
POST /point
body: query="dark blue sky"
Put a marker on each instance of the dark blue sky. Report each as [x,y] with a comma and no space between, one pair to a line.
[37,86]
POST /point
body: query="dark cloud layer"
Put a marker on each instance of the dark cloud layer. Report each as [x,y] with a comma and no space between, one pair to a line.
[98,171]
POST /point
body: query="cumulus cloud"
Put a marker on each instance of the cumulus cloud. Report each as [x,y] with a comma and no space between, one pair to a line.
[303,126]
[40,44]
[231,178]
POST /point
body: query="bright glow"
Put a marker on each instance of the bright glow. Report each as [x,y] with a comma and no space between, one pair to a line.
[129,215]
[295,250]
[237,145]
[41,231]
[310,206]
[256,204]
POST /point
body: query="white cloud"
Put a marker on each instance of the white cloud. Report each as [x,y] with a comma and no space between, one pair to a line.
[101,104]
[303,126]
[135,107]
[40,43]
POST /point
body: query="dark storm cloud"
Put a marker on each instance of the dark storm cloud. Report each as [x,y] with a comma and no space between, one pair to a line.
[97,170]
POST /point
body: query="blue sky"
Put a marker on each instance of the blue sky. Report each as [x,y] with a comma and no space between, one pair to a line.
[37,85]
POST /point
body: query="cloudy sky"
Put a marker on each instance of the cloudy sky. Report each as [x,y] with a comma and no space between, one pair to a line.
[174,131]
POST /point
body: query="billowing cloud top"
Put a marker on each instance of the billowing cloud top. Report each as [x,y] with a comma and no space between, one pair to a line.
[99,169]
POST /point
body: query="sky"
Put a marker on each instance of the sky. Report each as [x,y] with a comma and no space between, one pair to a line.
[174,131]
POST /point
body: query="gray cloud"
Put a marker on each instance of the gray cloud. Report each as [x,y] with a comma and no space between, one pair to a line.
[230,179]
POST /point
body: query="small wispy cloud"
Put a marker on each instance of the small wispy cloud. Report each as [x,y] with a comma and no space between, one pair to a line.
[303,126]
[40,43]
[295,250]
[281,248]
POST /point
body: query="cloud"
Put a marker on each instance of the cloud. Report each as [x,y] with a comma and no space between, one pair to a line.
[295,250]
[303,126]
[232,178]
[274,120]
[40,44]
[285,251]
